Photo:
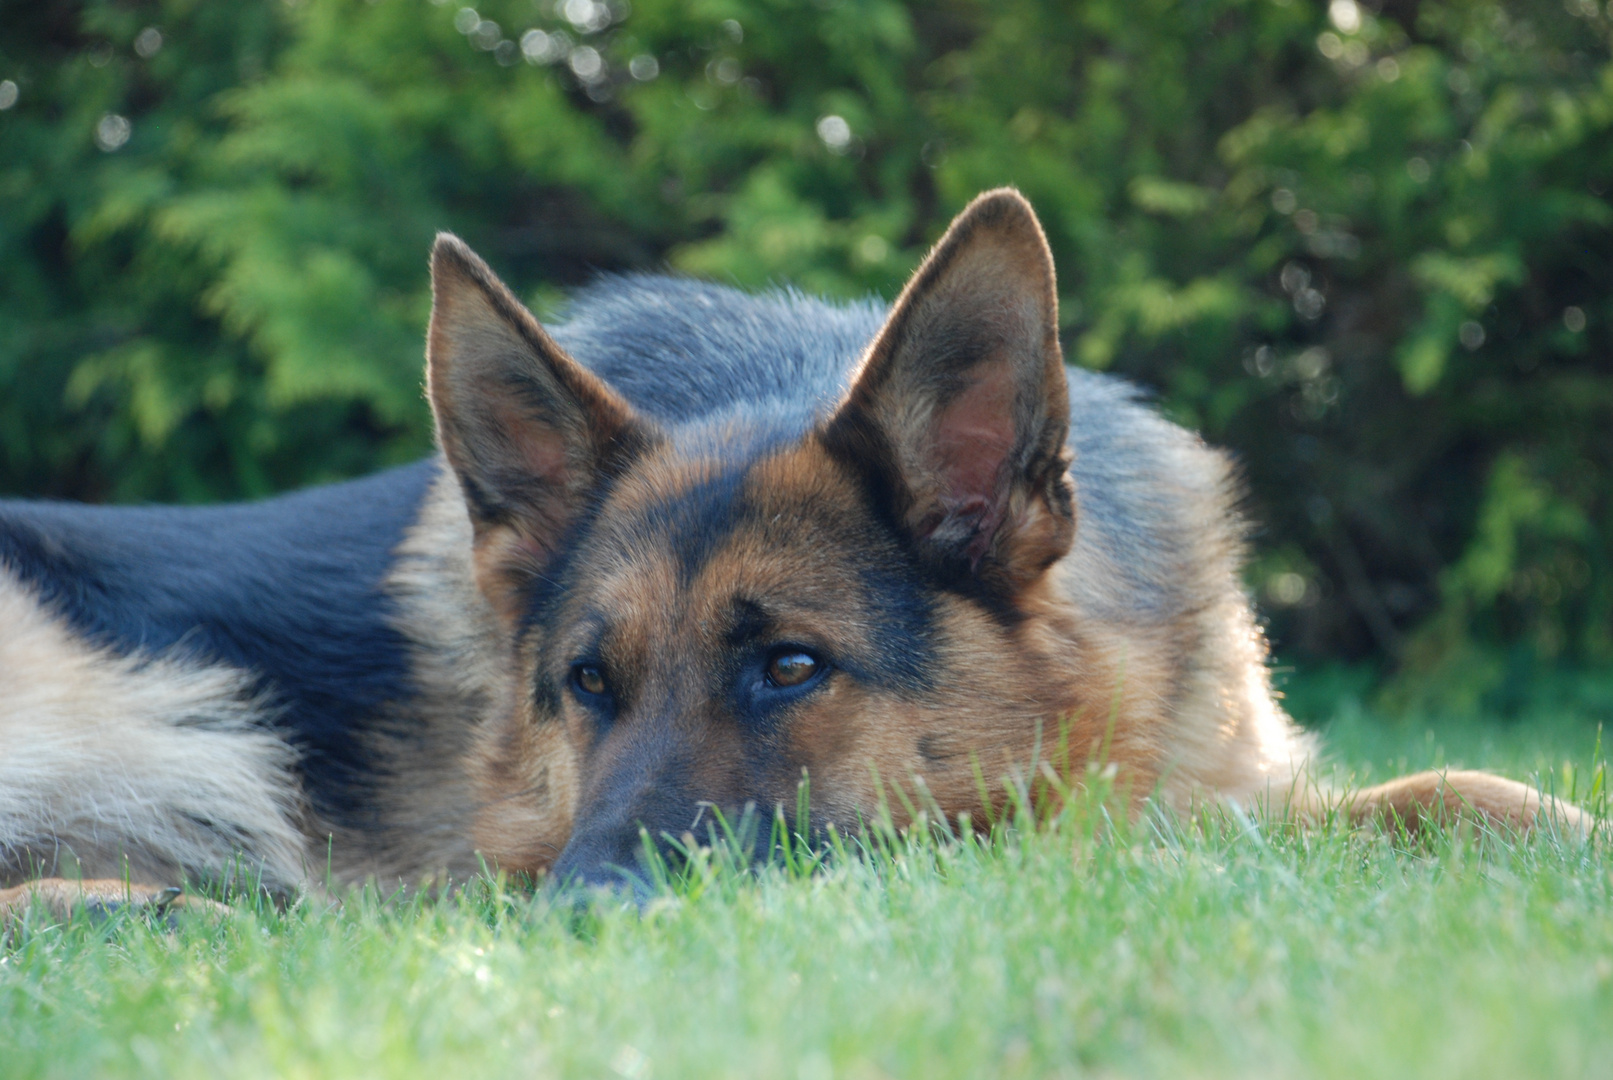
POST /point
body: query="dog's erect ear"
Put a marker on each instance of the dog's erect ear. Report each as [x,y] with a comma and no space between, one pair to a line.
[529,431]
[959,411]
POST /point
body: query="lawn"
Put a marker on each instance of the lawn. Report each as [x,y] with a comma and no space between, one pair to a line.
[1170,949]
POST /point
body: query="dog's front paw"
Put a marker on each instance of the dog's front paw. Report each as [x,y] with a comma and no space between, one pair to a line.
[99,898]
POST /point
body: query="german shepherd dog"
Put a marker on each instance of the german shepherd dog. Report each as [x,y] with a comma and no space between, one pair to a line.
[677,552]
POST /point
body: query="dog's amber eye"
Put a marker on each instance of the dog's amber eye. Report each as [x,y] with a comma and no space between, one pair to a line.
[589,679]
[791,667]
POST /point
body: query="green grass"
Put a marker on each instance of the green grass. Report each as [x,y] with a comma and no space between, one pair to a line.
[1196,949]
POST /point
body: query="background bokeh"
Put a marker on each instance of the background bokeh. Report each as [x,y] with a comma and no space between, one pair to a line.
[1368,246]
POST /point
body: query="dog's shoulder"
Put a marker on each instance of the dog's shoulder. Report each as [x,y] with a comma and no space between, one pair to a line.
[1159,527]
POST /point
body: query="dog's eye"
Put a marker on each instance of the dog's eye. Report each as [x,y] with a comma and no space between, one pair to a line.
[791,667]
[589,679]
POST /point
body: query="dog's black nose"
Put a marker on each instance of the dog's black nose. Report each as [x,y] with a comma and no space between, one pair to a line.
[593,863]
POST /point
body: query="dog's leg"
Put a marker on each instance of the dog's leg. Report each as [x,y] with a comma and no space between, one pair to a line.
[62,897]
[1441,797]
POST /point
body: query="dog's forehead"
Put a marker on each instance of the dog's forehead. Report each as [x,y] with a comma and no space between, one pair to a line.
[695,531]
[693,555]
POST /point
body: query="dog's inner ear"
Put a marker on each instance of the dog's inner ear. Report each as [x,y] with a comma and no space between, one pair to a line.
[959,411]
[529,432]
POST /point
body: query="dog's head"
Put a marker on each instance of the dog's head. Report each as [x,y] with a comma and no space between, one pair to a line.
[710,612]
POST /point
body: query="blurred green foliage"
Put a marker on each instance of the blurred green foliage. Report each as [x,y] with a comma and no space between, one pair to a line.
[1367,246]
